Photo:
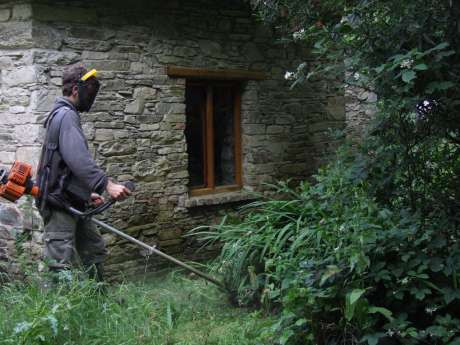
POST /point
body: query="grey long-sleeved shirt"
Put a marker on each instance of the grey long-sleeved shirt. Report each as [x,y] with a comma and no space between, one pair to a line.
[85,175]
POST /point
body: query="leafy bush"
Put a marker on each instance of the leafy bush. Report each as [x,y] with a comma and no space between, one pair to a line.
[339,268]
[369,252]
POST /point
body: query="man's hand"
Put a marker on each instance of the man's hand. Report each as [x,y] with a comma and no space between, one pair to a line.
[117,191]
[96,199]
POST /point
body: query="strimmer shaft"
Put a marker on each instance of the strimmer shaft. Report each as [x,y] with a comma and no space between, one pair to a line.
[150,248]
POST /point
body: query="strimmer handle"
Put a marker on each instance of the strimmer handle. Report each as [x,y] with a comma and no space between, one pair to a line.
[129,184]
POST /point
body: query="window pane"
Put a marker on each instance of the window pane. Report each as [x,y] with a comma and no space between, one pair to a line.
[195,100]
[224,138]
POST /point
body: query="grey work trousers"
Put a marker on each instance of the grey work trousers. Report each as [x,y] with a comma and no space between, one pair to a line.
[72,241]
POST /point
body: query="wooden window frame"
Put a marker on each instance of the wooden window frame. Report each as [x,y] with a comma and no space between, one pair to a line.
[213,74]
[208,139]
[210,76]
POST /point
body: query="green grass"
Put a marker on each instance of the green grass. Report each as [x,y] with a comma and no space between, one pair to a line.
[171,309]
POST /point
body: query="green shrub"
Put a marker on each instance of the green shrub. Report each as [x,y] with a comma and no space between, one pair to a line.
[341,269]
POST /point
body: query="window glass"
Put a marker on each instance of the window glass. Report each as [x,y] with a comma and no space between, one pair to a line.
[224,138]
[194,132]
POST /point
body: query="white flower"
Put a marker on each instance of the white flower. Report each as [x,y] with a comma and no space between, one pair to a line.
[431,310]
[289,75]
[407,63]
[356,76]
[298,34]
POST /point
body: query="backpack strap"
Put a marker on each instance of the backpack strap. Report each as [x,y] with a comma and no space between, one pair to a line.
[50,146]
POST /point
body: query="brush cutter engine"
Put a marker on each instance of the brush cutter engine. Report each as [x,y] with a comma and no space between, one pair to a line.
[17,182]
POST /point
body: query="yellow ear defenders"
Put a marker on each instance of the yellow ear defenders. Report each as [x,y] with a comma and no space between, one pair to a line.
[87,91]
[90,74]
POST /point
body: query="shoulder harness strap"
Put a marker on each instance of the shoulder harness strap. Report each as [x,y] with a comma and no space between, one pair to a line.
[52,133]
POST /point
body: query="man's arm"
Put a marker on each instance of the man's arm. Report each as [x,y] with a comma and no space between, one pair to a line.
[74,151]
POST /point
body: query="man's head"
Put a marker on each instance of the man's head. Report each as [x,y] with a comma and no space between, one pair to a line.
[80,87]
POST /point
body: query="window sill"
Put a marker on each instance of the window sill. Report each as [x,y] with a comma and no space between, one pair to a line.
[219,198]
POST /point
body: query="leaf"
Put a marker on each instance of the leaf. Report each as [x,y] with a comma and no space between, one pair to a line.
[355,295]
[439,86]
[442,55]
[384,311]
[330,271]
[420,67]
[456,341]
[372,339]
[286,335]
[22,327]
[380,68]
[440,46]
[408,76]
[169,317]
[301,322]
[350,302]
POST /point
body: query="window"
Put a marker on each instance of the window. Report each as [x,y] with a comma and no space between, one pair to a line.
[213,136]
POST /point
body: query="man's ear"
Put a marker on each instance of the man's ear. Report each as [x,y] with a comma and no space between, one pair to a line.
[75,91]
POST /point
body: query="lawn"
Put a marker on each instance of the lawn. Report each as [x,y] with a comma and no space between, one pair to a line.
[170,309]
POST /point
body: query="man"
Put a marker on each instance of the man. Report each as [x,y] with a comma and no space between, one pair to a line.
[68,176]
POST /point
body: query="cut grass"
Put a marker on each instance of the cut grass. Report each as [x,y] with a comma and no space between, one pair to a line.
[171,309]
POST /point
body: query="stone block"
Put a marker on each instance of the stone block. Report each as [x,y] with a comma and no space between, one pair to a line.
[103,135]
[26,134]
[44,100]
[20,76]
[64,14]
[254,129]
[186,52]
[47,37]
[91,55]
[10,216]
[178,175]
[170,108]
[86,44]
[7,157]
[175,118]
[22,12]
[110,149]
[336,107]
[110,65]
[210,48]
[5,14]
[135,107]
[252,52]
[150,170]
[29,154]
[18,109]
[169,234]
[5,233]
[275,129]
[6,62]
[55,58]
[147,93]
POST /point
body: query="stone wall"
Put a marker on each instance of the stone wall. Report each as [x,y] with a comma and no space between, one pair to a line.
[136,127]
[360,106]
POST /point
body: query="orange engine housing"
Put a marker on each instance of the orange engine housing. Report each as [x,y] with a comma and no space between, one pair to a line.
[19,182]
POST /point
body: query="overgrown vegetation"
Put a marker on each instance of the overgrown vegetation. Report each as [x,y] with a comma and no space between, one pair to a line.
[368,254]
[171,310]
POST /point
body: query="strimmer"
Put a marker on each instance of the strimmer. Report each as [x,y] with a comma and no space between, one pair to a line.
[18,182]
